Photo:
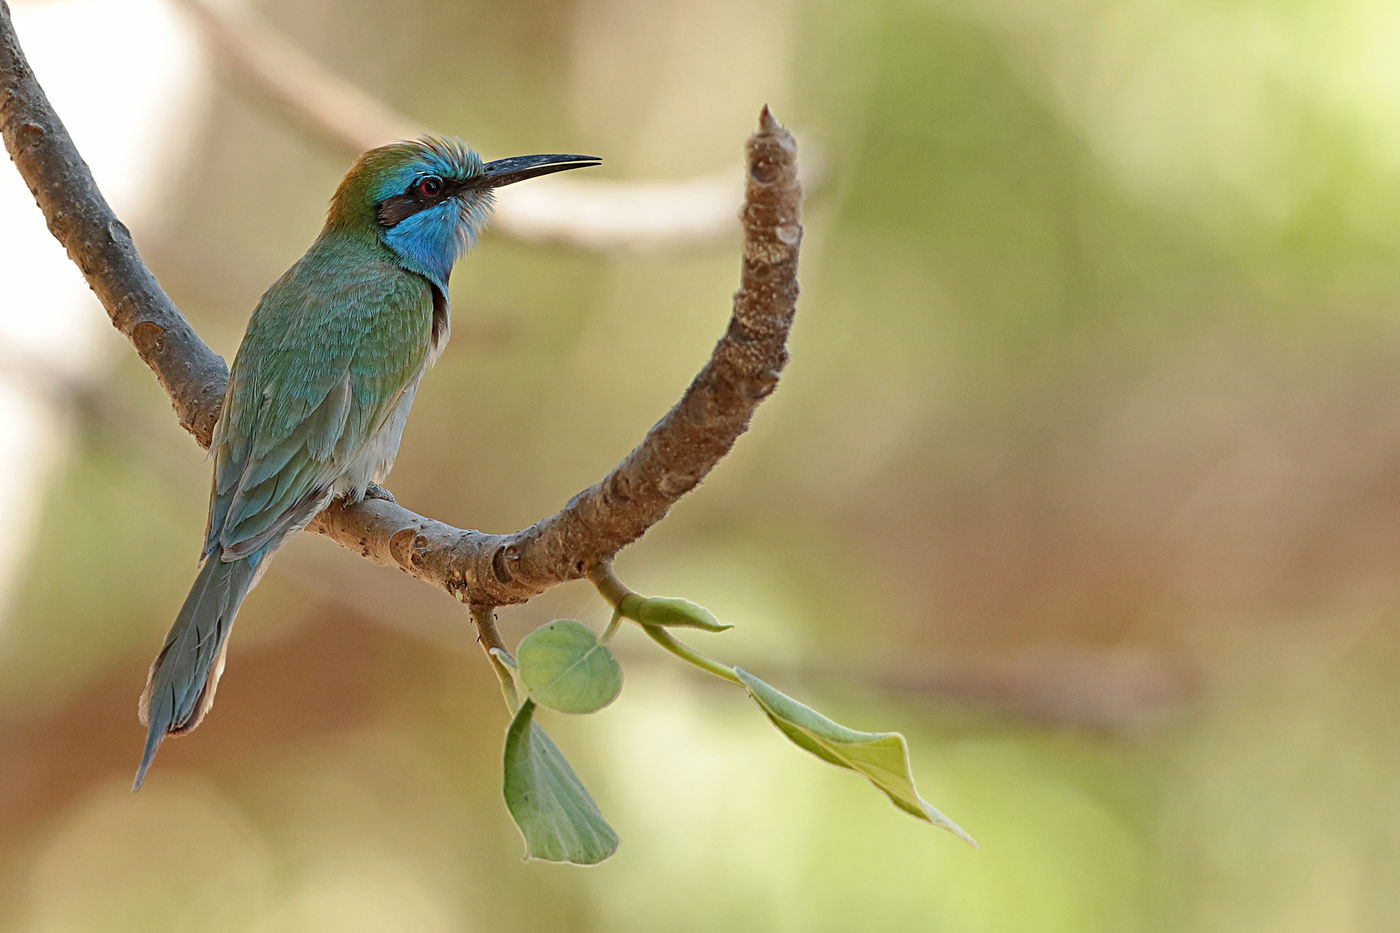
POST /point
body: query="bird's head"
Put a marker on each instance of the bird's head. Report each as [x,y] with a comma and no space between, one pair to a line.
[427,199]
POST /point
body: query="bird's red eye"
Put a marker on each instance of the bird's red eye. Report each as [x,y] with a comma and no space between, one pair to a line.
[430,186]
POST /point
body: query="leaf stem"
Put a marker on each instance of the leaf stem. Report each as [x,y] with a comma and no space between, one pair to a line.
[609,586]
[611,630]
[688,654]
[616,592]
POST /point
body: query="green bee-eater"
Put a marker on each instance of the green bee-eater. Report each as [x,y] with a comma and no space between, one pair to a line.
[322,385]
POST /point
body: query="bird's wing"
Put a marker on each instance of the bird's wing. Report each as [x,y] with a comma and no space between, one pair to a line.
[328,355]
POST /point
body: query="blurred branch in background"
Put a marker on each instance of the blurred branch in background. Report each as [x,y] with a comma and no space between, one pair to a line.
[1111,689]
[48,776]
[303,90]
[596,215]
[1116,691]
[102,413]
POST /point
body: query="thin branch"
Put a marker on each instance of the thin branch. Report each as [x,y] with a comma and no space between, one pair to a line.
[484,618]
[591,214]
[495,570]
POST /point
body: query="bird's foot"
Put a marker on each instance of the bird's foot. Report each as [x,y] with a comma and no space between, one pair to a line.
[376,491]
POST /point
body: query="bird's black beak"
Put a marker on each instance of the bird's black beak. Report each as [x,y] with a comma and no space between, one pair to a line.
[518,168]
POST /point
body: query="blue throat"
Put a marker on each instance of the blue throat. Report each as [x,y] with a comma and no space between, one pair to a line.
[430,242]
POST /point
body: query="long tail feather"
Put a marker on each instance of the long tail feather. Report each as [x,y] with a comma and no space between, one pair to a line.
[181,684]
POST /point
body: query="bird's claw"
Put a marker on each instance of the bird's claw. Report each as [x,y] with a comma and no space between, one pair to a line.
[376,491]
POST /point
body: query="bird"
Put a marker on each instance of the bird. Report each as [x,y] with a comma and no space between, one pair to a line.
[321,386]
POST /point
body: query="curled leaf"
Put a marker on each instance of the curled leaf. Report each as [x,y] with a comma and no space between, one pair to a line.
[883,757]
[670,612]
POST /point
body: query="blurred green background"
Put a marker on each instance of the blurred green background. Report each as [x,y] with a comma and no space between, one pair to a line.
[1085,475]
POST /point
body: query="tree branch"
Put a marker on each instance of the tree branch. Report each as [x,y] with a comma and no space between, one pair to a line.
[495,570]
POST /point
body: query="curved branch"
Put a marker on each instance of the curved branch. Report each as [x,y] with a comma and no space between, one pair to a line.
[672,459]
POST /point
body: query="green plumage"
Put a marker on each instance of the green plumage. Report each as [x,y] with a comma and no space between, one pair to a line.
[322,386]
[330,353]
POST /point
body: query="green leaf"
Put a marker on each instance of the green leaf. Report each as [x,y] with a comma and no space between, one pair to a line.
[669,612]
[565,668]
[550,805]
[883,757]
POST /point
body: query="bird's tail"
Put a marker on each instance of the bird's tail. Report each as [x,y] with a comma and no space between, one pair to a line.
[180,687]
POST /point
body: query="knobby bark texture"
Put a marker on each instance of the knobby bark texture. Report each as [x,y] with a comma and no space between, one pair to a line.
[483,569]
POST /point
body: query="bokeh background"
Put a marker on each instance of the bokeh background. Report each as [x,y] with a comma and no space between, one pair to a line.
[1085,475]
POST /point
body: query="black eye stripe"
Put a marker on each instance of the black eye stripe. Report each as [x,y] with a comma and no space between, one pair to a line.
[425,192]
[400,207]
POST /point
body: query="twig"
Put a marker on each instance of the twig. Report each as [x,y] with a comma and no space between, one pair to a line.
[495,570]
[484,618]
[591,214]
